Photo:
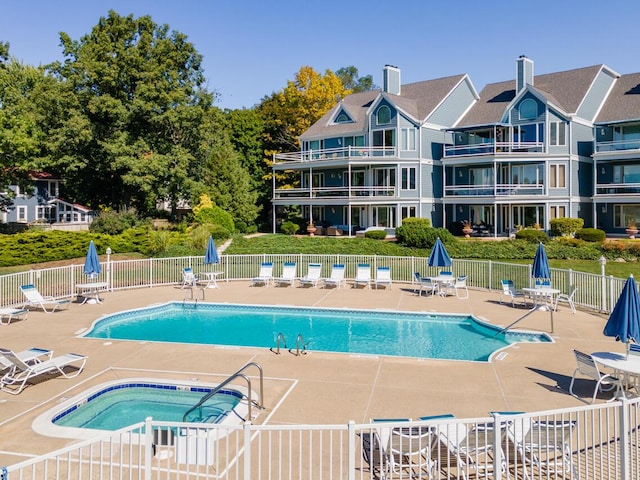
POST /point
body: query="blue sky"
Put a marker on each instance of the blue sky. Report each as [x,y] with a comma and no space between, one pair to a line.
[252,47]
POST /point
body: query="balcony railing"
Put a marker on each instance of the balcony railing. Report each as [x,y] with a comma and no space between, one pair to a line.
[493,148]
[617,188]
[502,189]
[335,192]
[618,145]
[350,153]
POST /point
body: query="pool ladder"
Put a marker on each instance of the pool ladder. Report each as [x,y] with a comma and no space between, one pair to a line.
[299,343]
[238,374]
[279,337]
[189,291]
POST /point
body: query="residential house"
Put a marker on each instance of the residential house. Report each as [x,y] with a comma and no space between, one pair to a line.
[616,200]
[374,158]
[44,205]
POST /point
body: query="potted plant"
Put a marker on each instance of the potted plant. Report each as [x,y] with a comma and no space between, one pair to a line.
[466,229]
[311,229]
[632,229]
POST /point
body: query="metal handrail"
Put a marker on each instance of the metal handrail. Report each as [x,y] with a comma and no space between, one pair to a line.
[300,341]
[238,374]
[284,342]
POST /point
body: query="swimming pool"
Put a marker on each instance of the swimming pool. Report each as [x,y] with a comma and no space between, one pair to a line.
[371,332]
[115,405]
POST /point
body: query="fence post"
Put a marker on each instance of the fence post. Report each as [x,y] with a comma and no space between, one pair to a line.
[246,428]
[497,447]
[610,296]
[148,448]
[490,276]
[351,450]
[625,473]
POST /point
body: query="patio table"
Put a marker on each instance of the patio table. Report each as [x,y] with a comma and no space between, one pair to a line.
[444,282]
[90,292]
[211,279]
[540,294]
[621,364]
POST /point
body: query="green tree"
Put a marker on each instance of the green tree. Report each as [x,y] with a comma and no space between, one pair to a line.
[353,81]
[138,101]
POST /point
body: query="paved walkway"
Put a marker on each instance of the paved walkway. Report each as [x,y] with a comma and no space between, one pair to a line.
[314,388]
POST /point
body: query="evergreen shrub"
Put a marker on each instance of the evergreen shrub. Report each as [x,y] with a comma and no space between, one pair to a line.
[565,227]
[532,235]
[289,228]
[376,234]
[591,235]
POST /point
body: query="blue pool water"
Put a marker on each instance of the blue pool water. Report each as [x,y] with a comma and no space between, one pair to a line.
[407,334]
[124,404]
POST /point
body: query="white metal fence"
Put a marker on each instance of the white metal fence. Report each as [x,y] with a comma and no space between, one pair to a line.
[590,442]
[597,292]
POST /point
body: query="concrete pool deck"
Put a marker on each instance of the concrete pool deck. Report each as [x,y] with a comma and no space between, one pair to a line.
[317,388]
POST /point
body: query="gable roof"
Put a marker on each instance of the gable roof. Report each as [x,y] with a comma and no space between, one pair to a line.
[623,103]
[416,99]
[566,90]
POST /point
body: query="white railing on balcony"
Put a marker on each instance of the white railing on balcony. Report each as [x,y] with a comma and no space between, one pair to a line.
[493,148]
[593,291]
[589,442]
[327,154]
[618,145]
[501,189]
[617,188]
[336,192]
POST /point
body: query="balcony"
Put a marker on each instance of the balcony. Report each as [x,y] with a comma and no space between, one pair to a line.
[335,192]
[499,190]
[330,154]
[617,188]
[618,145]
[494,148]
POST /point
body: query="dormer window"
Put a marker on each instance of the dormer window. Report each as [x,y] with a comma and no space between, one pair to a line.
[383,116]
[528,109]
[342,118]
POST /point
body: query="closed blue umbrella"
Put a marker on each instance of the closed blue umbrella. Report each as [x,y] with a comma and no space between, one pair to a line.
[624,321]
[211,254]
[92,263]
[540,264]
[439,256]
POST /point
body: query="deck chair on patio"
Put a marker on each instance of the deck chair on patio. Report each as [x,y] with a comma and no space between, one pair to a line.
[21,372]
[30,356]
[383,277]
[410,451]
[460,285]
[588,367]
[426,285]
[337,276]
[288,276]
[189,279]
[509,291]
[374,454]
[7,315]
[363,275]
[265,275]
[563,297]
[313,275]
[35,299]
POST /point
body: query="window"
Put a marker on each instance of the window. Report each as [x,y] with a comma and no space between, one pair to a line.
[317,180]
[384,115]
[528,109]
[354,141]
[384,138]
[623,214]
[526,174]
[21,214]
[557,212]
[342,118]
[408,178]
[557,176]
[532,132]
[408,140]
[557,135]
[384,216]
[408,212]
[384,179]
[626,173]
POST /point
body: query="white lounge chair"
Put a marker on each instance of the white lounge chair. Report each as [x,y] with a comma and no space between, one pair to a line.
[265,275]
[9,314]
[337,276]
[313,275]
[460,285]
[189,279]
[509,291]
[35,299]
[426,285]
[363,275]
[32,355]
[16,379]
[383,277]
[588,367]
[288,276]
[563,297]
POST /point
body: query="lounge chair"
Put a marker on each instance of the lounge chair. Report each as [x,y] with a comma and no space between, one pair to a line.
[20,372]
[189,279]
[509,291]
[410,451]
[35,299]
[288,276]
[313,275]
[460,285]
[563,297]
[363,275]
[374,454]
[9,314]
[337,276]
[32,355]
[426,284]
[265,275]
[588,367]
[383,277]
